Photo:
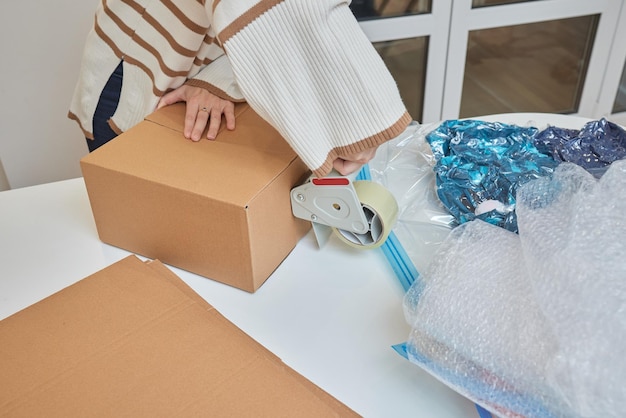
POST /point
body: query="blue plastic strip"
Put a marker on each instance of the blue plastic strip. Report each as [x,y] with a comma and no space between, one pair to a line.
[482,412]
[364,173]
[401,349]
[400,262]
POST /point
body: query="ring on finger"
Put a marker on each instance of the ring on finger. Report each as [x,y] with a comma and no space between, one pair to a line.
[204,109]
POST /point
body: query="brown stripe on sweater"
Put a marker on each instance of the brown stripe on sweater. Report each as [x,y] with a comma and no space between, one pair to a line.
[168,36]
[210,40]
[119,22]
[159,28]
[190,24]
[202,62]
[155,90]
[212,89]
[100,32]
[166,70]
[127,58]
[245,19]
[140,41]
[114,127]
[136,7]
[73,116]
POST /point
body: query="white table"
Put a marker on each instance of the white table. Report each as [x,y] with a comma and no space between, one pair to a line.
[332,314]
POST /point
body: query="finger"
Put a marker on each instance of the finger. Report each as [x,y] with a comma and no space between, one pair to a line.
[229,114]
[201,121]
[360,158]
[172,97]
[214,124]
[344,167]
[191,114]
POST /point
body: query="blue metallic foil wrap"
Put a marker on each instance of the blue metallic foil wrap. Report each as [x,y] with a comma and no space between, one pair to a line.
[594,147]
[481,162]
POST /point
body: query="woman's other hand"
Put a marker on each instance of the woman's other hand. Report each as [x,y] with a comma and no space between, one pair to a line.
[202,108]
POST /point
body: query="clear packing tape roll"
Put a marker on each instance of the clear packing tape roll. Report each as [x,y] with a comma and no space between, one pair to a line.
[381,211]
[527,324]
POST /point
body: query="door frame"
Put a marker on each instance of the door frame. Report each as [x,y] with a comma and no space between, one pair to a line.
[616,65]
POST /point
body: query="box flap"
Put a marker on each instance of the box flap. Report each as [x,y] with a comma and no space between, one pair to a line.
[232,168]
[251,130]
[134,340]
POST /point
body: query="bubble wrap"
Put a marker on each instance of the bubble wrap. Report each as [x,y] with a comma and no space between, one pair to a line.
[532,324]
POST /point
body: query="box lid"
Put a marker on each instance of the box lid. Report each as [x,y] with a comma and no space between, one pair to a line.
[234,167]
[135,340]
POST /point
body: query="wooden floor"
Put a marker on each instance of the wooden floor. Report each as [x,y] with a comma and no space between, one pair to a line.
[526,68]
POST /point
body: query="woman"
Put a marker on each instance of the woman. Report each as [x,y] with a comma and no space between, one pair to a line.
[304,66]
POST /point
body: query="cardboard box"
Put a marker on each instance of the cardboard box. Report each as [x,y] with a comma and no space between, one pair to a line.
[220,209]
[134,340]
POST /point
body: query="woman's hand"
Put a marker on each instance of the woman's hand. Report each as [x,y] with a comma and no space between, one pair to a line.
[202,108]
[349,163]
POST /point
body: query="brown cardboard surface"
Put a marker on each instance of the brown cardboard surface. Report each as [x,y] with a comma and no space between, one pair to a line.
[220,209]
[134,340]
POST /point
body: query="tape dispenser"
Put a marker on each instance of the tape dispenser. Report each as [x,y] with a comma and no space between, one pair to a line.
[361,213]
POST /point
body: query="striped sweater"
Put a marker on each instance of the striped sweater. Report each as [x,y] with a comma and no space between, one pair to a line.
[304,65]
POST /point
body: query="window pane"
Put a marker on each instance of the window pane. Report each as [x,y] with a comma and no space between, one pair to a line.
[406,60]
[620,99]
[370,9]
[537,67]
[483,3]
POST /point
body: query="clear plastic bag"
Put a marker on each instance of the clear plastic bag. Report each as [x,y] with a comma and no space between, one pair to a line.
[405,167]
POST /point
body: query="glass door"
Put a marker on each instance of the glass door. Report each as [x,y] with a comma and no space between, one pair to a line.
[532,56]
[474,57]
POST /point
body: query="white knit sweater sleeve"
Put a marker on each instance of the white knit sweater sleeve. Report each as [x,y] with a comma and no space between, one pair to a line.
[307,68]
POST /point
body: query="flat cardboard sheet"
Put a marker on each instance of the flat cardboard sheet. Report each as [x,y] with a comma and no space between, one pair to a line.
[134,340]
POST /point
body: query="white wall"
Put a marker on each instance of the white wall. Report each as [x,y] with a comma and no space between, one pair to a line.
[40,48]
